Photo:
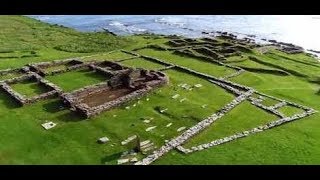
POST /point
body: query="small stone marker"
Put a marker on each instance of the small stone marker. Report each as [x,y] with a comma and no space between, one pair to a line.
[134,105]
[143,143]
[150,128]
[129,140]
[147,146]
[122,161]
[134,159]
[204,106]
[183,99]
[180,129]
[128,107]
[198,85]
[146,121]
[175,96]
[168,125]
[114,115]
[48,125]
[103,140]
[163,110]
[147,99]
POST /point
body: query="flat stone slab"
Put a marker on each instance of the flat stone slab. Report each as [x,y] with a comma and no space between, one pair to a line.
[103,140]
[181,129]
[129,139]
[168,125]
[198,85]
[134,159]
[163,110]
[175,96]
[48,125]
[150,128]
[146,121]
[122,161]
[145,142]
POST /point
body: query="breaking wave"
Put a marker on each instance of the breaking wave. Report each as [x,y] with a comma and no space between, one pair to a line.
[127,28]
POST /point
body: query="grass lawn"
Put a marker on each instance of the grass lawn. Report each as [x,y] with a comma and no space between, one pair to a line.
[269,102]
[233,122]
[73,140]
[29,88]
[142,63]
[290,110]
[202,66]
[54,68]
[73,80]
[113,56]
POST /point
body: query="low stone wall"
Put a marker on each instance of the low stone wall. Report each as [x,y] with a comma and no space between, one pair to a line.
[237,73]
[15,95]
[74,99]
[22,100]
[74,64]
[245,133]
[175,142]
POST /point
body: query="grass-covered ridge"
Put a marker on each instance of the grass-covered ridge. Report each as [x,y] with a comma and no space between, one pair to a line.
[293,77]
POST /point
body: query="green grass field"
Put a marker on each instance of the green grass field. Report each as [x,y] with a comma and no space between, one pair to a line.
[202,66]
[142,63]
[73,80]
[29,88]
[73,141]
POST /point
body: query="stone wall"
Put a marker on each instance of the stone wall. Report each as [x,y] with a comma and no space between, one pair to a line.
[175,142]
[153,79]
[72,64]
[245,133]
[22,100]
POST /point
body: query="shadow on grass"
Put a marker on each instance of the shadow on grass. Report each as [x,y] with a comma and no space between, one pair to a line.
[54,106]
[71,116]
[9,102]
[111,157]
[95,75]
[30,88]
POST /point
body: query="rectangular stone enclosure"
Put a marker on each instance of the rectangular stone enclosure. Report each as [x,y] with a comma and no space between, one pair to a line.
[125,84]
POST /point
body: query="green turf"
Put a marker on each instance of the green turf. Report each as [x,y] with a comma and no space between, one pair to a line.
[233,122]
[269,102]
[73,80]
[29,88]
[113,56]
[54,68]
[202,66]
[142,63]
[290,110]
[73,140]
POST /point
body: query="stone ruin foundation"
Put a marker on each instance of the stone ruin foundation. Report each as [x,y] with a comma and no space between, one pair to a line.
[53,90]
[70,64]
[126,84]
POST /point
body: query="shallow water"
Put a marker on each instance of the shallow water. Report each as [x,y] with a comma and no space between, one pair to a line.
[299,30]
